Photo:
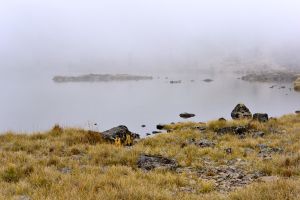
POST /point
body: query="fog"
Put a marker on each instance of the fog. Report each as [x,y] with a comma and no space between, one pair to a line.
[76,36]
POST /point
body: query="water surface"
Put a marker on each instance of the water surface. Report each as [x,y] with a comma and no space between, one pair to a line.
[36,104]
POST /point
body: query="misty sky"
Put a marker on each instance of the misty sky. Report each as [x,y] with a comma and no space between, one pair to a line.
[86,35]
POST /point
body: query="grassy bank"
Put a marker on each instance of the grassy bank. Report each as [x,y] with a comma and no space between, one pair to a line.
[74,164]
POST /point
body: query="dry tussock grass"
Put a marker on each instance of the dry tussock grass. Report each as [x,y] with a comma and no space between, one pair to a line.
[78,164]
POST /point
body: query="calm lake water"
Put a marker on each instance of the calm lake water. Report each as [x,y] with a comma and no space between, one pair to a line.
[36,104]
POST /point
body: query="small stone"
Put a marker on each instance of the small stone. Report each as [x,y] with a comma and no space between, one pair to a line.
[228,150]
[258,134]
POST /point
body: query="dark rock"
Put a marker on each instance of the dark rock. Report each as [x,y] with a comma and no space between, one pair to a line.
[175,82]
[187,115]
[261,117]
[207,80]
[206,143]
[240,112]
[119,132]
[222,119]
[147,134]
[297,111]
[143,126]
[160,126]
[148,162]
[156,132]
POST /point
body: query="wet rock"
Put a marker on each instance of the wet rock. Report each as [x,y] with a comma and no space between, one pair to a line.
[148,162]
[175,82]
[143,126]
[208,80]
[187,115]
[206,143]
[261,117]
[241,112]
[156,132]
[121,132]
[160,126]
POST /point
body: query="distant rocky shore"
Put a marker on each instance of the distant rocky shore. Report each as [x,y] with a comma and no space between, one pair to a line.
[271,77]
[100,78]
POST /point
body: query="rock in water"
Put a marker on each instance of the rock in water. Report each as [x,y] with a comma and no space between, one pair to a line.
[148,162]
[241,112]
[297,84]
[121,132]
[160,126]
[261,117]
[187,115]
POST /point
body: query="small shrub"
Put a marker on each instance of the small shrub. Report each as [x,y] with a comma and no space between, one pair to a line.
[11,175]
[56,130]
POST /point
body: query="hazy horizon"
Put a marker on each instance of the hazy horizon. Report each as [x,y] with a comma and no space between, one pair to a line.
[95,36]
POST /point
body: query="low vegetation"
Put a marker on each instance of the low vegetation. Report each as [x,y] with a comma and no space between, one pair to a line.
[74,164]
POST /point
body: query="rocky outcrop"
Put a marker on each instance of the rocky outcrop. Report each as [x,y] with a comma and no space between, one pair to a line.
[120,132]
[261,117]
[241,112]
[271,77]
[186,115]
[100,78]
[149,162]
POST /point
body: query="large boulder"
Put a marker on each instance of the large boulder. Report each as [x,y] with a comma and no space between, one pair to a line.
[261,117]
[241,112]
[119,132]
[148,162]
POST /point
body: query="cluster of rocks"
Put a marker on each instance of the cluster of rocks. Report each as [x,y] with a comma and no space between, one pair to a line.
[242,112]
[265,151]
[150,162]
[228,177]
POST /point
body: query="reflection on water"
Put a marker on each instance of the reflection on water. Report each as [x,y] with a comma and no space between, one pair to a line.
[37,104]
